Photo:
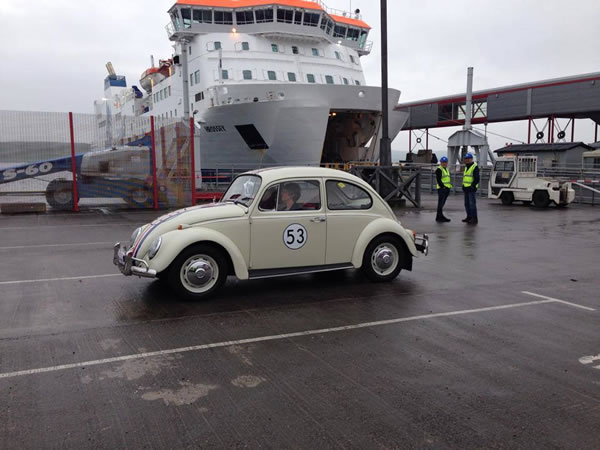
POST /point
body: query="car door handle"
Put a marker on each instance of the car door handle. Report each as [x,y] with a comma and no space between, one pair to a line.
[318,219]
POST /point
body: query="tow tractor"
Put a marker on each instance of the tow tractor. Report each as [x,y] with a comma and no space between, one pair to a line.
[515,178]
[118,172]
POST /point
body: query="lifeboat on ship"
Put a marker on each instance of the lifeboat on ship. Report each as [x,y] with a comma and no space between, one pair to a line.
[155,75]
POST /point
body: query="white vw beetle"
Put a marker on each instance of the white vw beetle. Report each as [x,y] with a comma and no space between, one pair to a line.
[273,222]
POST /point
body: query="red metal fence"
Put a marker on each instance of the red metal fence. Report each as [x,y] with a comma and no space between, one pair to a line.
[70,161]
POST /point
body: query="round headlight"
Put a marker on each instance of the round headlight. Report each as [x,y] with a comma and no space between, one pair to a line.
[154,247]
[136,233]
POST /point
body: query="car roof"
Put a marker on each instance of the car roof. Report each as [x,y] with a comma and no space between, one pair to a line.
[276,173]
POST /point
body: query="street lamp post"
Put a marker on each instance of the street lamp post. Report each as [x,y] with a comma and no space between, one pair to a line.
[385,147]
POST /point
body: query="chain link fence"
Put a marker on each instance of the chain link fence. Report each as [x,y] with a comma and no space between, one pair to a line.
[67,161]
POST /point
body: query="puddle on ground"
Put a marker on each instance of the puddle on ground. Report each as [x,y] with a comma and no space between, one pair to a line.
[247,381]
[137,368]
[187,394]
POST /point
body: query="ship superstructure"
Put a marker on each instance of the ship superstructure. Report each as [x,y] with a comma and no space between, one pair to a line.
[266,81]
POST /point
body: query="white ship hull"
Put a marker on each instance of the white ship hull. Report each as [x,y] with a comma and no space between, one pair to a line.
[293,125]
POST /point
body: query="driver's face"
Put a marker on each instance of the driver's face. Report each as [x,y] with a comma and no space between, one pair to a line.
[286,195]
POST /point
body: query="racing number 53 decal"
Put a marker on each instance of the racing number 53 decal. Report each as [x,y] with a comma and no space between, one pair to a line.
[295,236]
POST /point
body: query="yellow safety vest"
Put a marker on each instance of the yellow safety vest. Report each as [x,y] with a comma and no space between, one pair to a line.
[468,176]
[445,178]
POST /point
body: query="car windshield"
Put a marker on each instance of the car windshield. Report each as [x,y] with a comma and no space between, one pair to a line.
[243,190]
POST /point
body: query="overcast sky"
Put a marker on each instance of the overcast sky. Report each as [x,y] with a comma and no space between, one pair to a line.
[54,52]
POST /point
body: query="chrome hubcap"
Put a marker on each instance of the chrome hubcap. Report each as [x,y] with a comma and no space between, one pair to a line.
[384,259]
[199,273]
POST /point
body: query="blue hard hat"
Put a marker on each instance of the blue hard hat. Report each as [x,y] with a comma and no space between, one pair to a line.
[443,159]
[469,155]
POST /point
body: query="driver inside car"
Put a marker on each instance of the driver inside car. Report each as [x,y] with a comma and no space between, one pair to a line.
[290,194]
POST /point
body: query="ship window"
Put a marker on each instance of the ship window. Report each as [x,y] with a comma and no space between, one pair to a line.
[218,45]
[247,74]
[323,22]
[363,38]
[264,15]
[198,97]
[186,15]
[329,79]
[285,15]
[353,34]
[190,50]
[329,26]
[191,79]
[339,31]
[295,50]
[245,46]
[175,113]
[292,76]
[224,17]
[346,81]
[202,16]
[271,75]
[224,74]
[310,78]
[169,90]
[311,19]
[275,48]
[298,18]
[196,77]
[352,59]
[315,52]
[337,55]
[244,17]
[357,82]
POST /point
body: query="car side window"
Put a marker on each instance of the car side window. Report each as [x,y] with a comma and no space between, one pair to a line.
[342,195]
[269,199]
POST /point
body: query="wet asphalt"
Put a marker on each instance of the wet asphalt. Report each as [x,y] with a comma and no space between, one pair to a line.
[451,355]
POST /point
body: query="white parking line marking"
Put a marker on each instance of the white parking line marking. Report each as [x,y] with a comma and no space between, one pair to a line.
[85,277]
[533,294]
[267,338]
[16,247]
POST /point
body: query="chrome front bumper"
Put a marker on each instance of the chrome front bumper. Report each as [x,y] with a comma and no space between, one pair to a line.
[422,243]
[128,265]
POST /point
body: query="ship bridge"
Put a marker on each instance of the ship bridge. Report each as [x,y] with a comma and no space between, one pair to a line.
[311,20]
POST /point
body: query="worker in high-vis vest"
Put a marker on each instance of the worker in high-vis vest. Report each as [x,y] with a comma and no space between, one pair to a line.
[442,175]
[470,185]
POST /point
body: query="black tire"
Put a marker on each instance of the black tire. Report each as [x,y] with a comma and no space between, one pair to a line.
[507,198]
[198,253]
[541,199]
[59,194]
[369,264]
[140,196]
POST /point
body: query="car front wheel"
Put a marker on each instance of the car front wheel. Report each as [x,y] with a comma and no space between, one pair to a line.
[198,272]
[382,259]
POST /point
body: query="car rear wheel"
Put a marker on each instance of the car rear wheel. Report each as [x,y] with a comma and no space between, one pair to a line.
[382,259]
[541,199]
[198,272]
[507,198]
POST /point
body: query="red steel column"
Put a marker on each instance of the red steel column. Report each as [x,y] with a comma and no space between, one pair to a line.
[73,165]
[193,162]
[409,141]
[529,132]
[154,177]
[596,134]
[427,139]
[551,137]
